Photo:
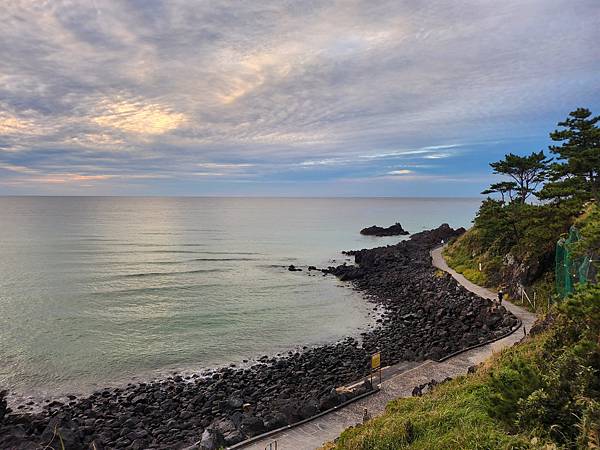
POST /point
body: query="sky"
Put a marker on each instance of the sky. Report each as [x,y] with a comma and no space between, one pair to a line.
[285,98]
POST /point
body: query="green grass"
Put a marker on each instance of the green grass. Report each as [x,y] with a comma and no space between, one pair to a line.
[540,394]
[465,254]
[453,416]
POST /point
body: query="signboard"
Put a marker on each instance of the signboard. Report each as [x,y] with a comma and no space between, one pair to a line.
[376,360]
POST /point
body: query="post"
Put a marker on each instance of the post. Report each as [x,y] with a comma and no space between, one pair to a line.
[522,301]
[375,364]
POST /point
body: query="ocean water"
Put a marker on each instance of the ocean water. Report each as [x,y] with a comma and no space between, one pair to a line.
[98,290]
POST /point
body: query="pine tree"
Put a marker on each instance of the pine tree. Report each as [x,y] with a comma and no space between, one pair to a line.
[504,188]
[526,171]
[576,173]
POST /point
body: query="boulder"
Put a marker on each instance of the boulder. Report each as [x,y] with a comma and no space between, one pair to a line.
[329,400]
[3,405]
[394,230]
[233,437]
[275,421]
[63,432]
[224,426]
[252,425]
[211,440]
[235,402]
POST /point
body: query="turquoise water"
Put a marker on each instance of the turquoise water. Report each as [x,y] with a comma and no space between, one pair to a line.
[97,290]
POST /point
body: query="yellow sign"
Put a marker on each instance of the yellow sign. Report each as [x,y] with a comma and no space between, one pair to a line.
[376,360]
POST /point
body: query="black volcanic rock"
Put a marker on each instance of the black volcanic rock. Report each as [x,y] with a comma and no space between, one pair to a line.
[3,405]
[394,230]
[424,316]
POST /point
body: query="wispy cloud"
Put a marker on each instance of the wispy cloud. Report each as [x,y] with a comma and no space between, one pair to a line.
[208,174]
[326,162]
[395,154]
[400,172]
[137,117]
[171,96]
[232,166]
[437,156]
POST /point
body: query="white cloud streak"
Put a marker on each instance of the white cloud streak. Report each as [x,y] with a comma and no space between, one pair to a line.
[183,90]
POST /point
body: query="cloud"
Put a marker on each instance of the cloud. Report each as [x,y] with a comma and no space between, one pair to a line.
[395,154]
[13,125]
[437,156]
[137,117]
[260,92]
[208,174]
[16,169]
[325,162]
[232,166]
[400,172]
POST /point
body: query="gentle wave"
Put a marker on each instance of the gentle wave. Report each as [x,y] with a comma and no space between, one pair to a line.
[154,263]
[223,259]
[124,252]
[233,253]
[149,290]
[168,274]
[147,244]
[97,239]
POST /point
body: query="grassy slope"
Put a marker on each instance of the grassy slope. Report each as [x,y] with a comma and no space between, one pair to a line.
[466,254]
[540,394]
[453,416]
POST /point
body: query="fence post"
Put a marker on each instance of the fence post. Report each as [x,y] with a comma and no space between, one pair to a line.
[522,301]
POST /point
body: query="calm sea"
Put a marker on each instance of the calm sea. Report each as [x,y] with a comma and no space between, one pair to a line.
[97,290]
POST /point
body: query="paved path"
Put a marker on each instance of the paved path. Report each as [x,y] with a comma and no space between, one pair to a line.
[398,382]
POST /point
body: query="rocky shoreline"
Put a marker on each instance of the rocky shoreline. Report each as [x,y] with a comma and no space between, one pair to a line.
[427,315]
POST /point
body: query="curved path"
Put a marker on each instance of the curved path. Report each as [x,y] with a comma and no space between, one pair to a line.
[399,381]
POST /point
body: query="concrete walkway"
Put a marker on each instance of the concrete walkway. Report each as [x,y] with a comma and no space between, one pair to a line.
[398,382]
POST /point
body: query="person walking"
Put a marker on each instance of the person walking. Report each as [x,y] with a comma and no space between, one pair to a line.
[500,296]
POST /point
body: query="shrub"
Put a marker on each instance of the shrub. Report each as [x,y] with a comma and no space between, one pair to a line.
[540,394]
[553,391]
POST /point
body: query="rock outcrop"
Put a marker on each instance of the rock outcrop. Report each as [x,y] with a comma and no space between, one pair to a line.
[394,230]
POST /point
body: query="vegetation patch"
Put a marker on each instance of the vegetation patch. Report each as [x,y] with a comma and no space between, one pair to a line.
[541,394]
[544,392]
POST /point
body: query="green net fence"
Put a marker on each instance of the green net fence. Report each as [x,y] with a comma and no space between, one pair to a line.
[571,269]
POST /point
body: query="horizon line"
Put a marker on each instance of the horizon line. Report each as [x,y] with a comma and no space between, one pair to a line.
[241,196]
